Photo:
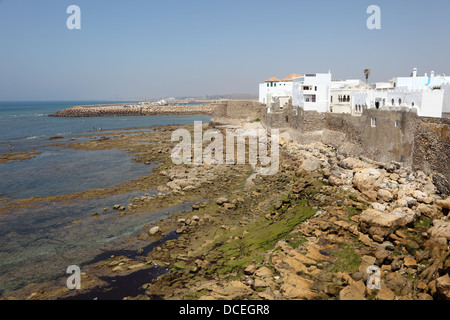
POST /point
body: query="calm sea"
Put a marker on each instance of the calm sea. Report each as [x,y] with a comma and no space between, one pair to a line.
[39,244]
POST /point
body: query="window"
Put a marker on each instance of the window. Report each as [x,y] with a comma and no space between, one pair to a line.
[412,104]
[397,123]
[315,88]
[268,84]
[331,99]
[393,102]
[373,122]
[399,101]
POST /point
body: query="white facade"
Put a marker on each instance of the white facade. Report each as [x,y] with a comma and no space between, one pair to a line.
[312,92]
[426,102]
[427,96]
[446,104]
[414,81]
[270,91]
[273,89]
[341,96]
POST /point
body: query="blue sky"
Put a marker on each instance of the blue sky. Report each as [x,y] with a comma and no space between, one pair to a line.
[148,49]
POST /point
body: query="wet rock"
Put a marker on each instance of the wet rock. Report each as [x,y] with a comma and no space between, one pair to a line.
[154,230]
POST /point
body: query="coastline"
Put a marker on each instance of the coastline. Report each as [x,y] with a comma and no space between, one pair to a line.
[303,233]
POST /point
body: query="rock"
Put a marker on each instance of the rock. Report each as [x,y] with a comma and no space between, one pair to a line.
[382,224]
[410,201]
[385,294]
[369,195]
[444,204]
[310,164]
[250,269]
[378,206]
[377,238]
[296,287]
[354,164]
[396,282]
[116,206]
[424,296]
[443,287]
[195,218]
[229,206]
[421,196]
[264,272]
[355,291]
[235,290]
[154,230]
[422,286]
[222,200]
[266,295]
[366,261]
[397,264]
[366,179]
[430,211]
[385,195]
[410,262]
[440,229]
[394,176]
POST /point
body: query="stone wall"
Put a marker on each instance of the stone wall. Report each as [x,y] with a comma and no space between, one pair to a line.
[417,142]
[236,111]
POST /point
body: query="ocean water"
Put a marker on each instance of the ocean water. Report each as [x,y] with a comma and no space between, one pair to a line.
[38,244]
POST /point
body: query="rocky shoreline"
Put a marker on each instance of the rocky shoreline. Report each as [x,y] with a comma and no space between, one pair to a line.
[309,232]
[132,110]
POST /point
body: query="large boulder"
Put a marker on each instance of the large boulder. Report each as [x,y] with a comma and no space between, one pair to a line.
[354,164]
[367,179]
[355,291]
[440,229]
[382,224]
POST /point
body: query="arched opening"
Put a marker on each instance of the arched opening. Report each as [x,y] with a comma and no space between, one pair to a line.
[399,101]
[377,105]
[393,102]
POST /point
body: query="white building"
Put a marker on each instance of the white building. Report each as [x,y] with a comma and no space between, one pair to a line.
[312,92]
[424,95]
[427,96]
[341,95]
[273,90]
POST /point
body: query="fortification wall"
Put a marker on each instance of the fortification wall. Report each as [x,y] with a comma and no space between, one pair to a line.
[236,111]
[417,142]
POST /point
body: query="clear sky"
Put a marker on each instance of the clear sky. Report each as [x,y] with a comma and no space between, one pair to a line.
[141,49]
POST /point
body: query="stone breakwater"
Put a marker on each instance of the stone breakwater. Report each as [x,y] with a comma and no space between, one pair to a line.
[132,110]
